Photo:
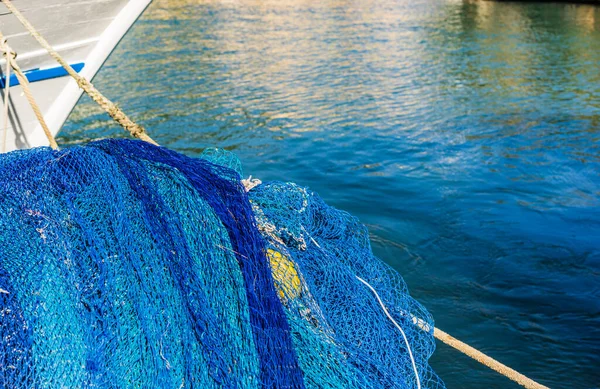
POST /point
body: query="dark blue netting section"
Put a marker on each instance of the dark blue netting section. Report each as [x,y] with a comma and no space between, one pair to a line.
[126,265]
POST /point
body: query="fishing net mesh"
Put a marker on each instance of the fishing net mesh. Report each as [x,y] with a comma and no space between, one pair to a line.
[125,265]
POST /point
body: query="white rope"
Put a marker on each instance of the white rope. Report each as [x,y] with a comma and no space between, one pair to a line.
[412,359]
[460,346]
[7,53]
[250,183]
[451,341]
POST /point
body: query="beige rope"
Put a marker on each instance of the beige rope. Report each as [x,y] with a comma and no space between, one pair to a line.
[487,361]
[478,355]
[119,116]
[458,345]
[10,60]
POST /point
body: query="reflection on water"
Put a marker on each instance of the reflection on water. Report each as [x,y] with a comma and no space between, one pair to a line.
[464,134]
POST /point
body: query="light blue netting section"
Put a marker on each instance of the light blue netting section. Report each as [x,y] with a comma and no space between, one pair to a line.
[125,265]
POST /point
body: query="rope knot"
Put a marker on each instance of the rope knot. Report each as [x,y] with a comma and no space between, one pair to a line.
[6,50]
[136,130]
[81,82]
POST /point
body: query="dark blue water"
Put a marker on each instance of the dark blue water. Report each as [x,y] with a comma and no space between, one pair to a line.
[466,135]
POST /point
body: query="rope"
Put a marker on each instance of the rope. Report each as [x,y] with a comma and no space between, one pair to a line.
[7,53]
[119,116]
[466,349]
[454,343]
[487,361]
[410,354]
[10,60]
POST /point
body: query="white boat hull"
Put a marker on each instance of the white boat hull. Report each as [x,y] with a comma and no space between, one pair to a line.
[84,32]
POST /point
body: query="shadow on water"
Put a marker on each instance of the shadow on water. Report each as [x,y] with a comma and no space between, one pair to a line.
[464,134]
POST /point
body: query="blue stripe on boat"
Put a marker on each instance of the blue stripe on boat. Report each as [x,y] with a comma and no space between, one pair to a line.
[34,75]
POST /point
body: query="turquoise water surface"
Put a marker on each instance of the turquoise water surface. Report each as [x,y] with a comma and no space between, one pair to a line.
[465,135]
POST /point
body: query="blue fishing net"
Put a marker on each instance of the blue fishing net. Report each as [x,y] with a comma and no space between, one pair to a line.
[125,265]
